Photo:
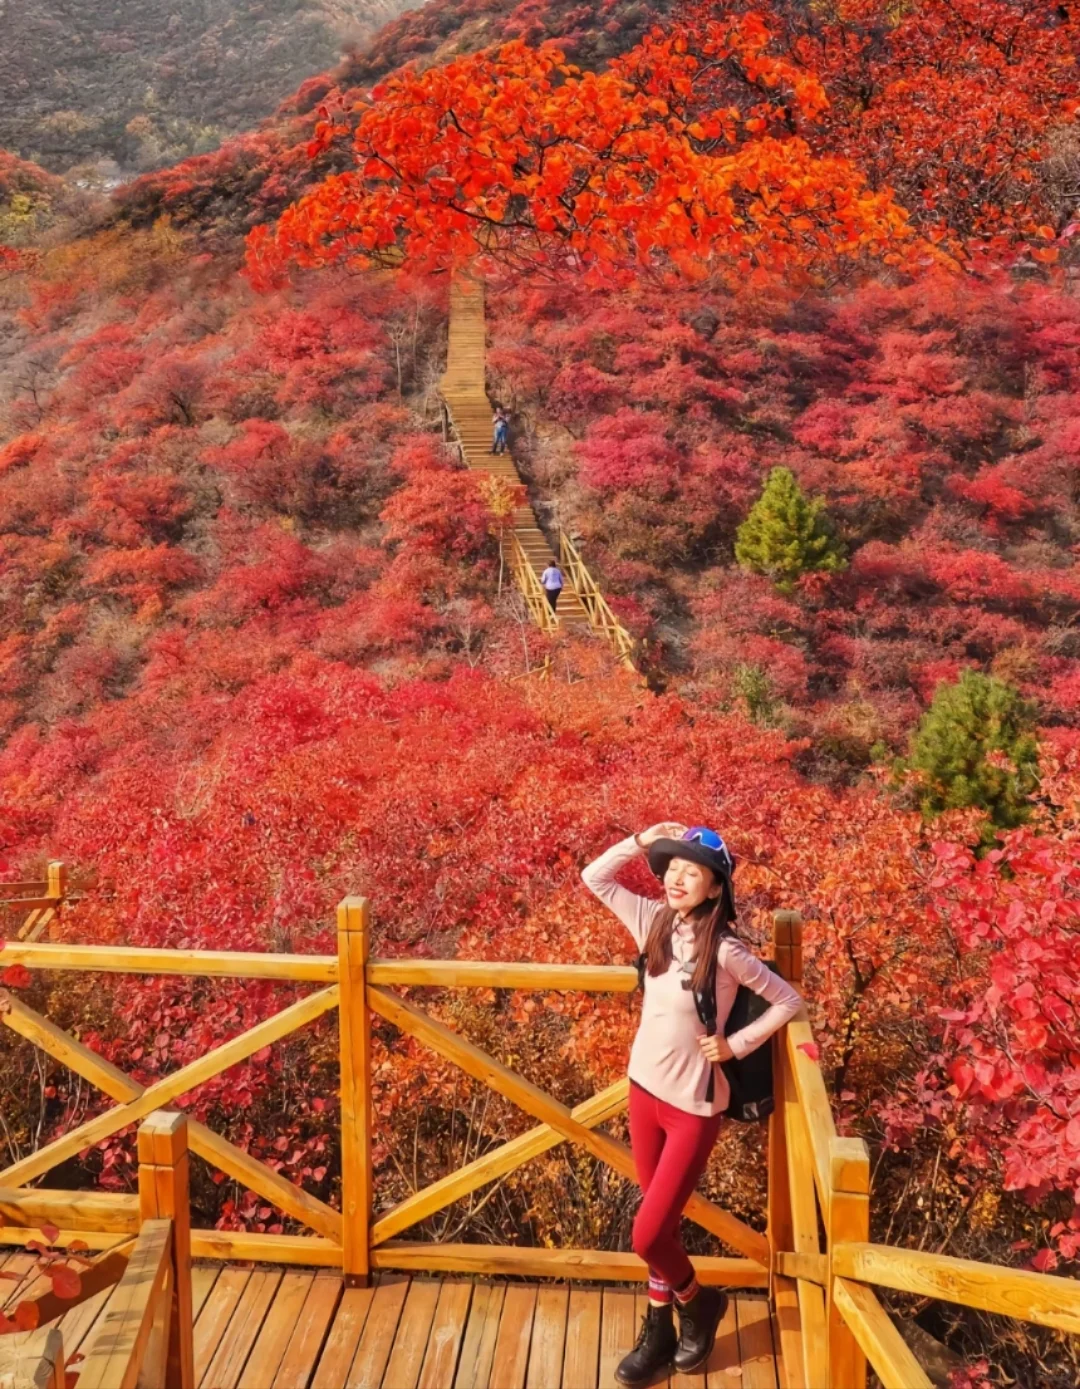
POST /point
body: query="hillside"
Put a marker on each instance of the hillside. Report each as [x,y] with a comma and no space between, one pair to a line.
[258,650]
[145,85]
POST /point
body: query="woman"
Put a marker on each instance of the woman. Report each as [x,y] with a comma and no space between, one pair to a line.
[677,1091]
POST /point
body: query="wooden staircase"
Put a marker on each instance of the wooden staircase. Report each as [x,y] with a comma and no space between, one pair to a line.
[464,391]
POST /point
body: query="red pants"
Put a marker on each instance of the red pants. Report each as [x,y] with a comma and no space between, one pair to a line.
[670,1150]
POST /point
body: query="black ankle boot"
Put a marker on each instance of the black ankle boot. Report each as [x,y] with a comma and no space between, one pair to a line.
[698,1320]
[654,1349]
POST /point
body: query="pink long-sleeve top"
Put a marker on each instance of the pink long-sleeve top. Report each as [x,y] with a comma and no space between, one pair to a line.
[665,1058]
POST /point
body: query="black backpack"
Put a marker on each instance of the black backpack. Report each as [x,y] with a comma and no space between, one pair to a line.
[750,1079]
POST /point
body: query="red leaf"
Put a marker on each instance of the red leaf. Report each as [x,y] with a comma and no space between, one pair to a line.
[16,977]
[51,1233]
[811,1050]
[1045,1261]
[65,1281]
[27,1315]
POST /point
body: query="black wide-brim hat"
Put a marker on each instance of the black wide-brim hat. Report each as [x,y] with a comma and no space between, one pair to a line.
[721,862]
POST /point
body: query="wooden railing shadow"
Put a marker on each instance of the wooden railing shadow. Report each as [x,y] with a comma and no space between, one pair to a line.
[815,1257]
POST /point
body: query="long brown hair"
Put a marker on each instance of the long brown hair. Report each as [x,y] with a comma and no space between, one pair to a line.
[712,921]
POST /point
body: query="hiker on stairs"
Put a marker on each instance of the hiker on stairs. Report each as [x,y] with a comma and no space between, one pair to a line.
[552,580]
[692,963]
[501,424]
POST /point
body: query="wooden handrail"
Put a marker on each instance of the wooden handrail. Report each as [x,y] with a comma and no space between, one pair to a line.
[878,1338]
[323,969]
[1041,1298]
[596,605]
[118,1352]
[830,1321]
[530,587]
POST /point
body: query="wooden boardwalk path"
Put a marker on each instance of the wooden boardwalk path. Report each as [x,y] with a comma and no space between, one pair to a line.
[464,390]
[274,1328]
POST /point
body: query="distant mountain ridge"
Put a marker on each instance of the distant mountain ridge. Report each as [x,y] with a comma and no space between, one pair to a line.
[148,82]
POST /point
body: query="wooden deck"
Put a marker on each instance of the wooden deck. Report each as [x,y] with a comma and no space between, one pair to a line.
[273,1328]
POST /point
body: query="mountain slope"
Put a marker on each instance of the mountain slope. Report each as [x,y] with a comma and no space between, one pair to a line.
[82,82]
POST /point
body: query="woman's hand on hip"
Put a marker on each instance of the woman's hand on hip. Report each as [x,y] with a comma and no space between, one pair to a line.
[670,829]
[715,1048]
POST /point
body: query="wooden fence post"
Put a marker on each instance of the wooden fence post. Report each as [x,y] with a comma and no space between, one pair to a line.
[355,1035]
[57,874]
[164,1195]
[848,1222]
[787,953]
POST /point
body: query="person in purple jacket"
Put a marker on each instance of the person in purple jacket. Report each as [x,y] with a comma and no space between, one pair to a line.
[678,1092]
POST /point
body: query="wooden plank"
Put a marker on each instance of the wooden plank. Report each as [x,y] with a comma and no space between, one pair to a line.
[811,1268]
[237,1246]
[255,1175]
[115,1352]
[499,974]
[104,1273]
[815,1334]
[881,1342]
[75,1210]
[411,1339]
[594,1111]
[540,1105]
[377,1339]
[813,1100]
[355,1050]
[548,1338]
[1035,1297]
[246,1322]
[787,1335]
[278,1325]
[309,1335]
[755,1344]
[581,1366]
[93,1239]
[125,959]
[618,1329]
[163,1092]
[203,1278]
[76,1324]
[848,1220]
[32,1360]
[481,1333]
[25,1265]
[447,1330]
[511,1359]
[344,1337]
[780,1221]
[164,1193]
[724,1370]
[525,1262]
[215,1315]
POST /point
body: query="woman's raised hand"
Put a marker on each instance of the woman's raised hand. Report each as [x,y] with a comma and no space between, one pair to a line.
[670,829]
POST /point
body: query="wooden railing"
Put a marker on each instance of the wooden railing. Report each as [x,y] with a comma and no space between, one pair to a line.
[145,1336]
[529,586]
[601,617]
[42,901]
[815,1256]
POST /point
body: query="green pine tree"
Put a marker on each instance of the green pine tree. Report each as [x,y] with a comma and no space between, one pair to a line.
[975,746]
[787,533]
